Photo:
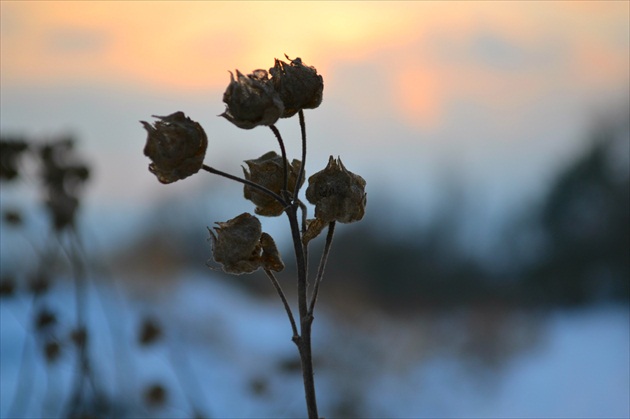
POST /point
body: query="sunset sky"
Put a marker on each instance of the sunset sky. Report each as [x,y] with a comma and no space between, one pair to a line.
[497,94]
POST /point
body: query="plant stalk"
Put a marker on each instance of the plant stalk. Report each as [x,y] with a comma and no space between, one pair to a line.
[306,319]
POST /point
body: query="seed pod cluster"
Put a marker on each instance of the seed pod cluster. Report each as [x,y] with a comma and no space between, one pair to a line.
[299,86]
[240,246]
[251,100]
[337,193]
[176,146]
[268,171]
[257,99]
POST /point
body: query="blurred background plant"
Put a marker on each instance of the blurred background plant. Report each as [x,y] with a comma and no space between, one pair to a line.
[47,286]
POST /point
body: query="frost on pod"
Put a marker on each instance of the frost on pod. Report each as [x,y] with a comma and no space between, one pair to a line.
[338,194]
[251,100]
[268,171]
[176,146]
[240,246]
[299,86]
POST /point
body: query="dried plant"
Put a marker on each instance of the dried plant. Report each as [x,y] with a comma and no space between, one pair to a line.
[176,146]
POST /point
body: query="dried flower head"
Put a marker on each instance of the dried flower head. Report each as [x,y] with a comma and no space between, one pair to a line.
[299,86]
[45,319]
[155,395]
[10,152]
[270,258]
[63,209]
[268,171]
[176,146]
[52,350]
[150,332]
[62,180]
[79,336]
[7,286]
[12,217]
[251,100]
[338,194]
[241,247]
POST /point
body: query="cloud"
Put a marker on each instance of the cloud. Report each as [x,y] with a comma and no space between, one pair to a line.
[75,41]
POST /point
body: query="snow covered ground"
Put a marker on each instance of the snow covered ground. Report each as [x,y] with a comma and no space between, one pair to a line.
[229,354]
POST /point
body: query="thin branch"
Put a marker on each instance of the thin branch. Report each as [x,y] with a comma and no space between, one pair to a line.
[283,151]
[278,288]
[322,266]
[246,182]
[300,175]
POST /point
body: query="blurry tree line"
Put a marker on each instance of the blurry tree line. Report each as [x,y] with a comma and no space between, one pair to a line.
[580,230]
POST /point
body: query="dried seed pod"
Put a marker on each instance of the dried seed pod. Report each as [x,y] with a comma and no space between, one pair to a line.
[79,336]
[7,286]
[236,244]
[268,171]
[176,146]
[10,152]
[150,332]
[155,395]
[240,246]
[52,350]
[299,86]
[45,319]
[338,194]
[270,258]
[12,217]
[63,208]
[313,228]
[251,100]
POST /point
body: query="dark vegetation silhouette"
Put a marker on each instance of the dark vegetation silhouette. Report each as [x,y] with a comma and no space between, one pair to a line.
[44,259]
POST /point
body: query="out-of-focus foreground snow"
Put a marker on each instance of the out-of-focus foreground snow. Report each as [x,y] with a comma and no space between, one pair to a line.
[230,354]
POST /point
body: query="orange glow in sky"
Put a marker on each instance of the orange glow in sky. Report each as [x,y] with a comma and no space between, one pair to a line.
[423,54]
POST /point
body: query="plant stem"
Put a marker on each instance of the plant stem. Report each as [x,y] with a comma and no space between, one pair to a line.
[306,319]
[246,182]
[278,288]
[322,266]
[300,175]
[283,151]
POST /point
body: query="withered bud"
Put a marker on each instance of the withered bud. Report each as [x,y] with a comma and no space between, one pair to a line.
[268,171]
[45,319]
[155,395]
[63,208]
[338,194]
[314,227]
[10,152]
[251,100]
[270,258]
[52,350]
[79,336]
[7,286]
[150,332]
[176,146]
[299,86]
[240,246]
[12,217]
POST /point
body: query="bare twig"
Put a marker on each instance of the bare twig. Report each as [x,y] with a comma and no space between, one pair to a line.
[322,266]
[246,182]
[278,288]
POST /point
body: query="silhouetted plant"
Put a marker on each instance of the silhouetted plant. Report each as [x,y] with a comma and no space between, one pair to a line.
[176,146]
[54,168]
